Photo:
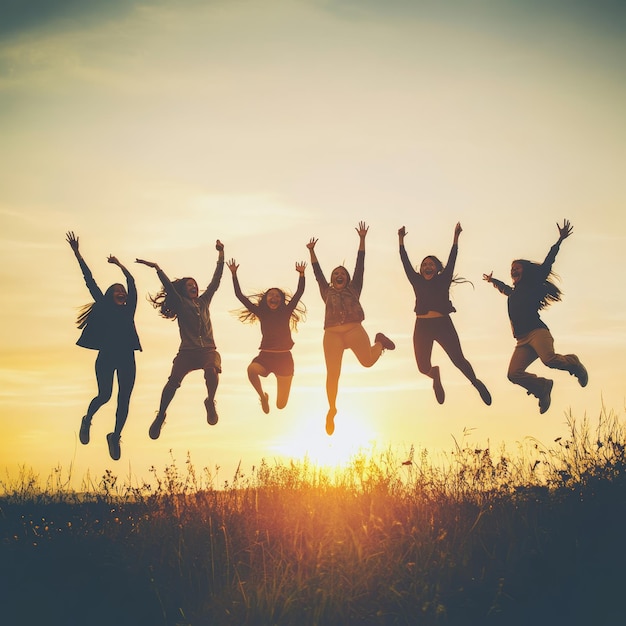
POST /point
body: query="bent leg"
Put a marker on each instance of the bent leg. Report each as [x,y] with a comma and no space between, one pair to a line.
[543,343]
[522,357]
[358,341]
[126,373]
[255,371]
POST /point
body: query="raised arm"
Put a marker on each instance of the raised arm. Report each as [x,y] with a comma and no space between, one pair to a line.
[300,267]
[317,270]
[165,281]
[94,290]
[362,229]
[449,268]
[564,232]
[233,267]
[410,272]
[311,247]
[219,270]
[130,281]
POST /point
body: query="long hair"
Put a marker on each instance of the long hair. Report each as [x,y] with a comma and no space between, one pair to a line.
[532,273]
[165,303]
[260,299]
[456,280]
[89,311]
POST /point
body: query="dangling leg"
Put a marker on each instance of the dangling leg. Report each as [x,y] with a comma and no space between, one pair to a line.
[105,369]
[180,368]
[333,355]
[283,388]
[212,370]
[255,371]
[448,339]
[126,372]
[423,348]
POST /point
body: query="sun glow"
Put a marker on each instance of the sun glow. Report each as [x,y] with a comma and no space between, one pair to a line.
[353,434]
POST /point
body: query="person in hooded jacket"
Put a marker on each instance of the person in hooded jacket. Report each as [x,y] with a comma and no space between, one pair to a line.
[108,326]
[343,328]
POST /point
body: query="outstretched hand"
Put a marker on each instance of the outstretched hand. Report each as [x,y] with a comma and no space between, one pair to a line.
[151,264]
[362,229]
[311,244]
[113,259]
[566,230]
[300,267]
[402,233]
[72,239]
[232,266]
[488,277]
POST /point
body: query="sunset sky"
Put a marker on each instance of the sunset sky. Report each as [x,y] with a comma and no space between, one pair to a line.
[152,128]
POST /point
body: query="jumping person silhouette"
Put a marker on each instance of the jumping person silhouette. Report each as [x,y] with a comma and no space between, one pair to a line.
[343,319]
[108,326]
[533,291]
[278,315]
[431,285]
[180,300]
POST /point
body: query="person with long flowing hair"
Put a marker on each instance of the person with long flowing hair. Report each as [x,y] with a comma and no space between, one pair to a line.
[533,290]
[343,317]
[181,300]
[278,314]
[431,284]
[108,326]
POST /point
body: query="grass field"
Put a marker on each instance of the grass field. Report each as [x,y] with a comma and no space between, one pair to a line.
[485,537]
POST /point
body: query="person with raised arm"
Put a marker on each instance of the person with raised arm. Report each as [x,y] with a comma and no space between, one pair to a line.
[108,326]
[181,300]
[433,307]
[343,317]
[532,291]
[278,314]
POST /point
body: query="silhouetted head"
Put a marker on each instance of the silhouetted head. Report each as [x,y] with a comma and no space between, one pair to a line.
[116,294]
[186,287]
[430,267]
[274,298]
[526,271]
[340,278]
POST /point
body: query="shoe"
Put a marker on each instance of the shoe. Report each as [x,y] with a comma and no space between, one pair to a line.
[114,446]
[265,403]
[544,398]
[211,413]
[440,394]
[483,391]
[155,427]
[384,341]
[330,421]
[83,433]
[581,374]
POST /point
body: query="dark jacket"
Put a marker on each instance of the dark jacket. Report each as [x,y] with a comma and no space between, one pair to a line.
[433,294]
[524,299]
[110,327]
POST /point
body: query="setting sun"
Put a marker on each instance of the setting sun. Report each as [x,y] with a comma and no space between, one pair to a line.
[306,439]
